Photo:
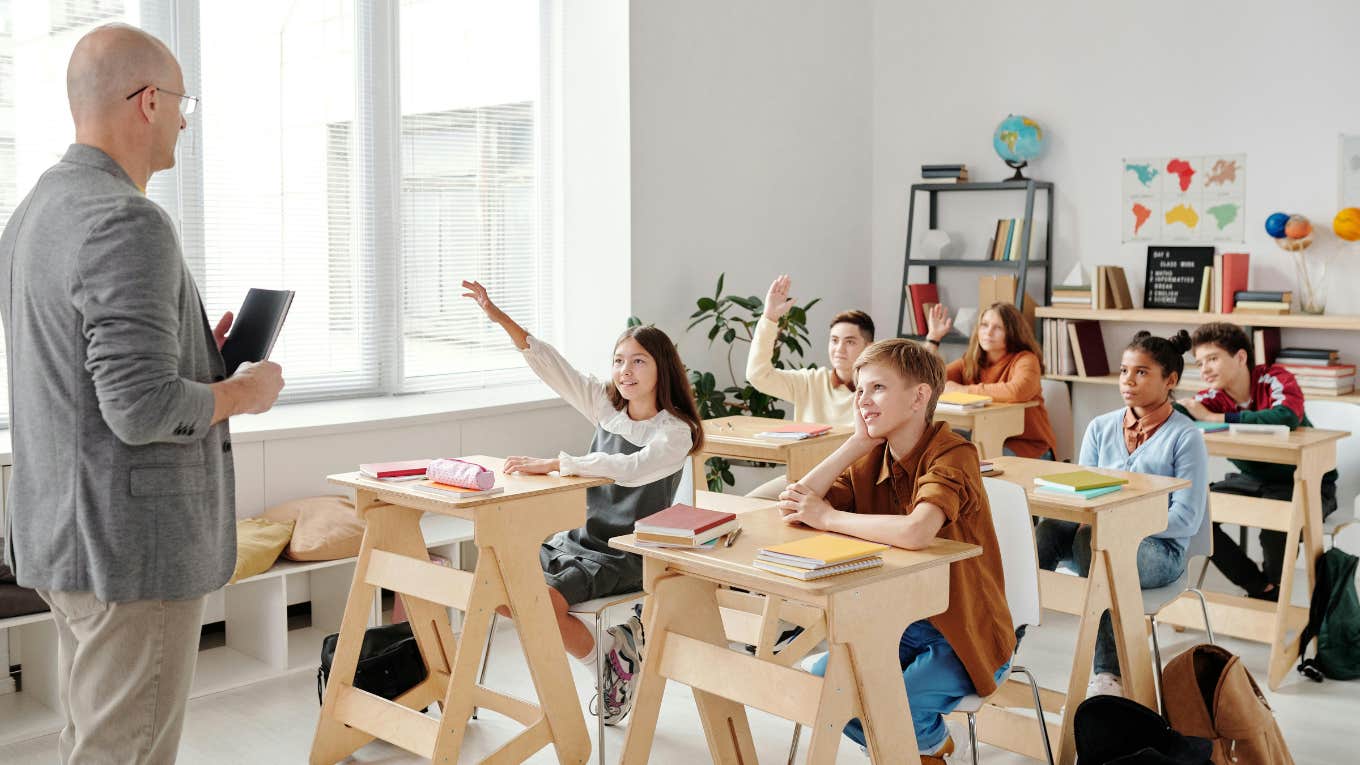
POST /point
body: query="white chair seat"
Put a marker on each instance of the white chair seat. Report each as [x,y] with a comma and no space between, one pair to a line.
[598,605]
[969,704]
[1157,599]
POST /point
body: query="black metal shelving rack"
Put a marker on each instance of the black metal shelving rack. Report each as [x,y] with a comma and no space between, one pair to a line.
[1020,267]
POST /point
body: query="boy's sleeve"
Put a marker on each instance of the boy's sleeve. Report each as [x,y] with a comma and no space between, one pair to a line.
[841,495]
[951,483]
[1285,399]
[760,371]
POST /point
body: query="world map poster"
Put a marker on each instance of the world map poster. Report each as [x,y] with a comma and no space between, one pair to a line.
[1190,198]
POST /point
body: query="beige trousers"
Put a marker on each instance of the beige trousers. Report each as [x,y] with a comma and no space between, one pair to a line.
[123,673]
[771,489]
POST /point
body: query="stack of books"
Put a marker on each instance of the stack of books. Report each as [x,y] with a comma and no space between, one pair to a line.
[1067,296]
[1191,376]
[1262,302]
[1318,371]
[796,431]
[1058,357]
[1229,278]
[958,401]
[1083,484]
[404,470]
[957,173]
[1008,242]
[1111,289]
[684,526]
[820,556]
[919,298]
[448,491]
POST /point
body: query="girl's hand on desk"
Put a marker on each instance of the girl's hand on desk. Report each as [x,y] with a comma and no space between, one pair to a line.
[530,466]
[799,505]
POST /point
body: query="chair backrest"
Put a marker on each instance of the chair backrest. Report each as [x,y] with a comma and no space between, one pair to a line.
[1202,543]
[1058,402]
[1019,560]
[1338,415]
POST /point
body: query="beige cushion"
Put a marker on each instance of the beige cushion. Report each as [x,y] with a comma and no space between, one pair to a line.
[258,544]
[326,528]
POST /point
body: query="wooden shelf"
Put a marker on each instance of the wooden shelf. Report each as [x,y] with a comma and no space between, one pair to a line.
[1344,322]
[1351,398]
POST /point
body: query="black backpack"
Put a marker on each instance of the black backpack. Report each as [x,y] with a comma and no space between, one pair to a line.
[1110,730]
[1334,619]
[389,662]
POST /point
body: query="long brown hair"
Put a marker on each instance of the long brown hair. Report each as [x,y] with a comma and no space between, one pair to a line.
[1019,337]
[673,392]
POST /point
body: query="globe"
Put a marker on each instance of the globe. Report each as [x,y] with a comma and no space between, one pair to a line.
[1017,140]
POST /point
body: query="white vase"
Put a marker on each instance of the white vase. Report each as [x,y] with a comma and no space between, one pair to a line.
[1312,273]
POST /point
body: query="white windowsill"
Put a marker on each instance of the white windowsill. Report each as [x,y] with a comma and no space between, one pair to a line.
[321,418]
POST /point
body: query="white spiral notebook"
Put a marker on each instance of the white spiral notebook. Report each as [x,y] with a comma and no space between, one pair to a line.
[817,573]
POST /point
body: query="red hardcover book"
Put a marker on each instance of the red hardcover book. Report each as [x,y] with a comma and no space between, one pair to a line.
[394,469]
[1088,347]
[920,295]
[1236,269]
[682,520]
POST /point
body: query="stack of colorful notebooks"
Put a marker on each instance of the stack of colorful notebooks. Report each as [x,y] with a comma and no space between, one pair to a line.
[820,556]
[684,526]
[1083,484]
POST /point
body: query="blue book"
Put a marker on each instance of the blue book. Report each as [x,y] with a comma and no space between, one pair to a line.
[1211,427]
[1084,494]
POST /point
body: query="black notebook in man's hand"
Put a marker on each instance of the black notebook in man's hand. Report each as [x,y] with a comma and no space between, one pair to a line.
[256,327]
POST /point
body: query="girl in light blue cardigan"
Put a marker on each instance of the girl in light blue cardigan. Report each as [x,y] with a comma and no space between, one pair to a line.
[1147,436]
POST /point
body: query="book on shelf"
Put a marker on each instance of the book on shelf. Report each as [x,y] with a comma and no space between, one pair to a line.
[1111,288]
[1327,391]
[1088,348]
[1311,353]
[1004,231]
[1058,357]
[921,294]
[1079,480]
[1017,243]
[1231,271]
[1206,291]
[1264,295]
[1274,308]
[1265,344]
[1337,371]
[944,167]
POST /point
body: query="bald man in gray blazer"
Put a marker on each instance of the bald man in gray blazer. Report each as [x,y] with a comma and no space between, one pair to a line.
[121,509]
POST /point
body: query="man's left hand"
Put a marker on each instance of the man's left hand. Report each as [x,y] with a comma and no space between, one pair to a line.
[220,331]
[799,505]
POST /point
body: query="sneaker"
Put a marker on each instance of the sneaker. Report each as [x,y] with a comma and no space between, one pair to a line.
[782,642]
[622,664]
[937,758]
[1105,684]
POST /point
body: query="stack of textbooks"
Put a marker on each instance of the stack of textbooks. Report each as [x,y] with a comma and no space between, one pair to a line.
[1319,371]
[1083,484]
[957,173]
[684,526]
[1069,296]
[957,401]
[1262,302]
[796,431]
[820,556]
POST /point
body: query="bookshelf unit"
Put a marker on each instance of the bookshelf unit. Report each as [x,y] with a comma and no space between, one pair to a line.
[1020,268]
[1323,322]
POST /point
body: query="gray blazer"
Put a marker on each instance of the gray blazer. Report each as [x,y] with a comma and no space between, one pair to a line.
[121,486]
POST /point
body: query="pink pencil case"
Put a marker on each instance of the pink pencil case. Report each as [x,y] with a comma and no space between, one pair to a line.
[468,475]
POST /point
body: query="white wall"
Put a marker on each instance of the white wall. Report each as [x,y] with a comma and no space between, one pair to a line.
[1273,80]
[750,155]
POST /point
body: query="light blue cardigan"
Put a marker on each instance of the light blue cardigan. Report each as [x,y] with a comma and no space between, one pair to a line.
[1176,449]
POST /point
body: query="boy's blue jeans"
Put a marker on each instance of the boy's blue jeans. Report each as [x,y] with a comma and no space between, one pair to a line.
[1160,562]
[936,682]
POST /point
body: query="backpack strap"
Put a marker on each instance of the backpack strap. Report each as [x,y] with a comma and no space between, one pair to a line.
[1317,611]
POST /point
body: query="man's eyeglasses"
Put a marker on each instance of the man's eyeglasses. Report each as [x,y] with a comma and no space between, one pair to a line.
[187,104]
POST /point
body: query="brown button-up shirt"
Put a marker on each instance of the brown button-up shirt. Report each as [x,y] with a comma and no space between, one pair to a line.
[943,470]
[1139,429]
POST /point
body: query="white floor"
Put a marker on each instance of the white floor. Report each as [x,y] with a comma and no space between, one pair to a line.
[272,722]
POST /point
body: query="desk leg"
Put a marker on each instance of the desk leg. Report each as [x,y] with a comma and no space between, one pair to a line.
[1096,602]
[838,706]
[1129,622]
[1283,649]
[686,606]
[700,480]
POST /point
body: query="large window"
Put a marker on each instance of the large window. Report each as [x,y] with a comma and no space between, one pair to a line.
[368,155]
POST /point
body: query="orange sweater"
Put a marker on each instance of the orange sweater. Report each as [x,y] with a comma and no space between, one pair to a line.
[1014,379]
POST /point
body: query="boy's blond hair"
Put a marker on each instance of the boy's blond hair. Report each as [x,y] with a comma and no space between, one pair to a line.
[910,360]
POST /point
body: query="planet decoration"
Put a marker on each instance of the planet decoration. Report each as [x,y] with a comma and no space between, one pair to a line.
[1017,140]
[1346,224]
[1292,233]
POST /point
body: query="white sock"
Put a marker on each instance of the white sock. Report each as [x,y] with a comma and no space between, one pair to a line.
[589,661]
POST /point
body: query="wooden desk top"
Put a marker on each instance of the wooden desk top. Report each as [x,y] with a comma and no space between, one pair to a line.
[1022,471]
[517,487]
[762,528]
[1284,451]
[730,503]
[741,431]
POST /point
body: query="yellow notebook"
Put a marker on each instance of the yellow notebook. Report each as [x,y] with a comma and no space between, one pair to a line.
[1079,480]
[960,398]
[826,549]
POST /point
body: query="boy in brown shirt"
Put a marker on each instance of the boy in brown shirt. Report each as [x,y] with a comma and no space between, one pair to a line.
[904,480]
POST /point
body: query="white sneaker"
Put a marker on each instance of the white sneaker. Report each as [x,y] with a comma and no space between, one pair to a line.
[1105,684]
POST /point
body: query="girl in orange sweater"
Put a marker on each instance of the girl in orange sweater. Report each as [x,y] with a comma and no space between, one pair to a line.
[1002,361]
